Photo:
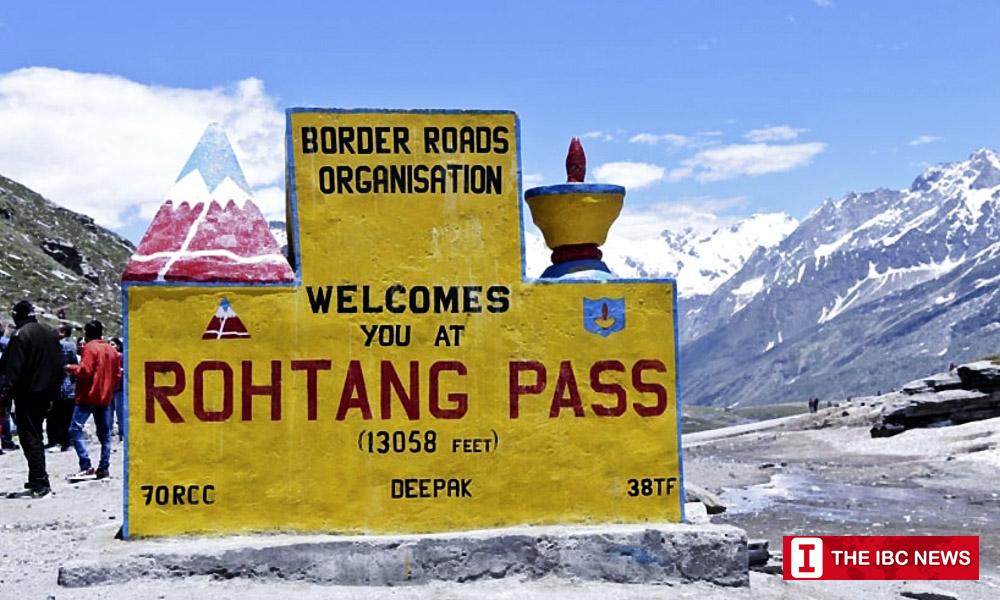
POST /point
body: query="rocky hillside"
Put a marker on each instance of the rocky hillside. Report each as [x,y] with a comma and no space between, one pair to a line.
[869,289]
[60,260]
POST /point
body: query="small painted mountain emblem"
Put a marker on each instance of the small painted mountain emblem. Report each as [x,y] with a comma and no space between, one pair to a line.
[604,316]
[225,324]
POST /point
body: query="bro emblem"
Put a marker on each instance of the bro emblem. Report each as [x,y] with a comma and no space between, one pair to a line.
[604,316]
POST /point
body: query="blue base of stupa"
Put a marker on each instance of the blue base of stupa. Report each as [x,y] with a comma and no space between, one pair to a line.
[575,266]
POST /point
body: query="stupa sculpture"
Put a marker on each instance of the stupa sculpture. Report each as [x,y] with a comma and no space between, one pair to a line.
[575,218]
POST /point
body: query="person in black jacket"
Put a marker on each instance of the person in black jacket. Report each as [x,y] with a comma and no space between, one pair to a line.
[34,372]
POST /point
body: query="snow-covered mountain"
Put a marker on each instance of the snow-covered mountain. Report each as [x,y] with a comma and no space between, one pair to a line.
[280,232]
[834,308]
[701,261]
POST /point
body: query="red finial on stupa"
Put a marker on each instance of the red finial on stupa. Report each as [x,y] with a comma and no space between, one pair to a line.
[576,162]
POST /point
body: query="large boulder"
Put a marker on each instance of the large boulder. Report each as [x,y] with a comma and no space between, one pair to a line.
[934,383]
[696,493]
[66,254]
[969,393]
[983,375]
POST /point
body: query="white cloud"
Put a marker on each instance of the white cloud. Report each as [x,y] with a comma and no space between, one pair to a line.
[727,162]
[823,3]
[652,139]
[777,133]
[632,175]
[271,201]
[530,180]
[676,140]
[920,140]
[111,147]
[604,136]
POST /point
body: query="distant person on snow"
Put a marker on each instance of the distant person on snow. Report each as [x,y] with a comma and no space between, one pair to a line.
[62,411]
[34,371]
[96,377]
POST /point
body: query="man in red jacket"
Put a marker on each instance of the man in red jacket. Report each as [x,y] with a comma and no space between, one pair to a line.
[96,377]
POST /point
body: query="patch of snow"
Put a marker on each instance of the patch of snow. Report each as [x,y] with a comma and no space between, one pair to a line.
[280,234]
[878,279]
[64,276]
[985,282]
[916,222]
[974,201]
[747,291]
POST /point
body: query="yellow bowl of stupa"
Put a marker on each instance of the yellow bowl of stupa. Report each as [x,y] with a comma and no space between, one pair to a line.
[570,214]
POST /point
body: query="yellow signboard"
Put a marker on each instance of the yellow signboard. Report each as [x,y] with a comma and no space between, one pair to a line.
[410,379]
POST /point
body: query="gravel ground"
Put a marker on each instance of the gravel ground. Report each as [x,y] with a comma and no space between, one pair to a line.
[810,476]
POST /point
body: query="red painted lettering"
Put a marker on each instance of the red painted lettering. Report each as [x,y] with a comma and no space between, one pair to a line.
[248,390]
[390,383]
[311,367]
[460,401]
[567,393]
[355,394]
[615,389]
[199,391]
[514,387]
[650,388]
[161,394]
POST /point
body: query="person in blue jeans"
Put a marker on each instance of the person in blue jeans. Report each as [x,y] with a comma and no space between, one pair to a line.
[61,413]
[96,377]
[7,435]
[102,419]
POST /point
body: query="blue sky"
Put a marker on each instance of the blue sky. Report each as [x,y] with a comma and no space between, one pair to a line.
[745,106]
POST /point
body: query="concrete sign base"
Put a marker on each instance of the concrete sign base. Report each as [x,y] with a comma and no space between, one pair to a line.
[648,553]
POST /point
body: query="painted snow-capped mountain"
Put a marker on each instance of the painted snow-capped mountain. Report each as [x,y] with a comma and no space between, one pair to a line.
[209,228]
[700,260]
[869,289]
[225,324]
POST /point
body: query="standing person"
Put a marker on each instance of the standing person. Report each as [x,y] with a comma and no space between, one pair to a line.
[96,376]
[33,374]
[6,429]
[119,400]
[62,411]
